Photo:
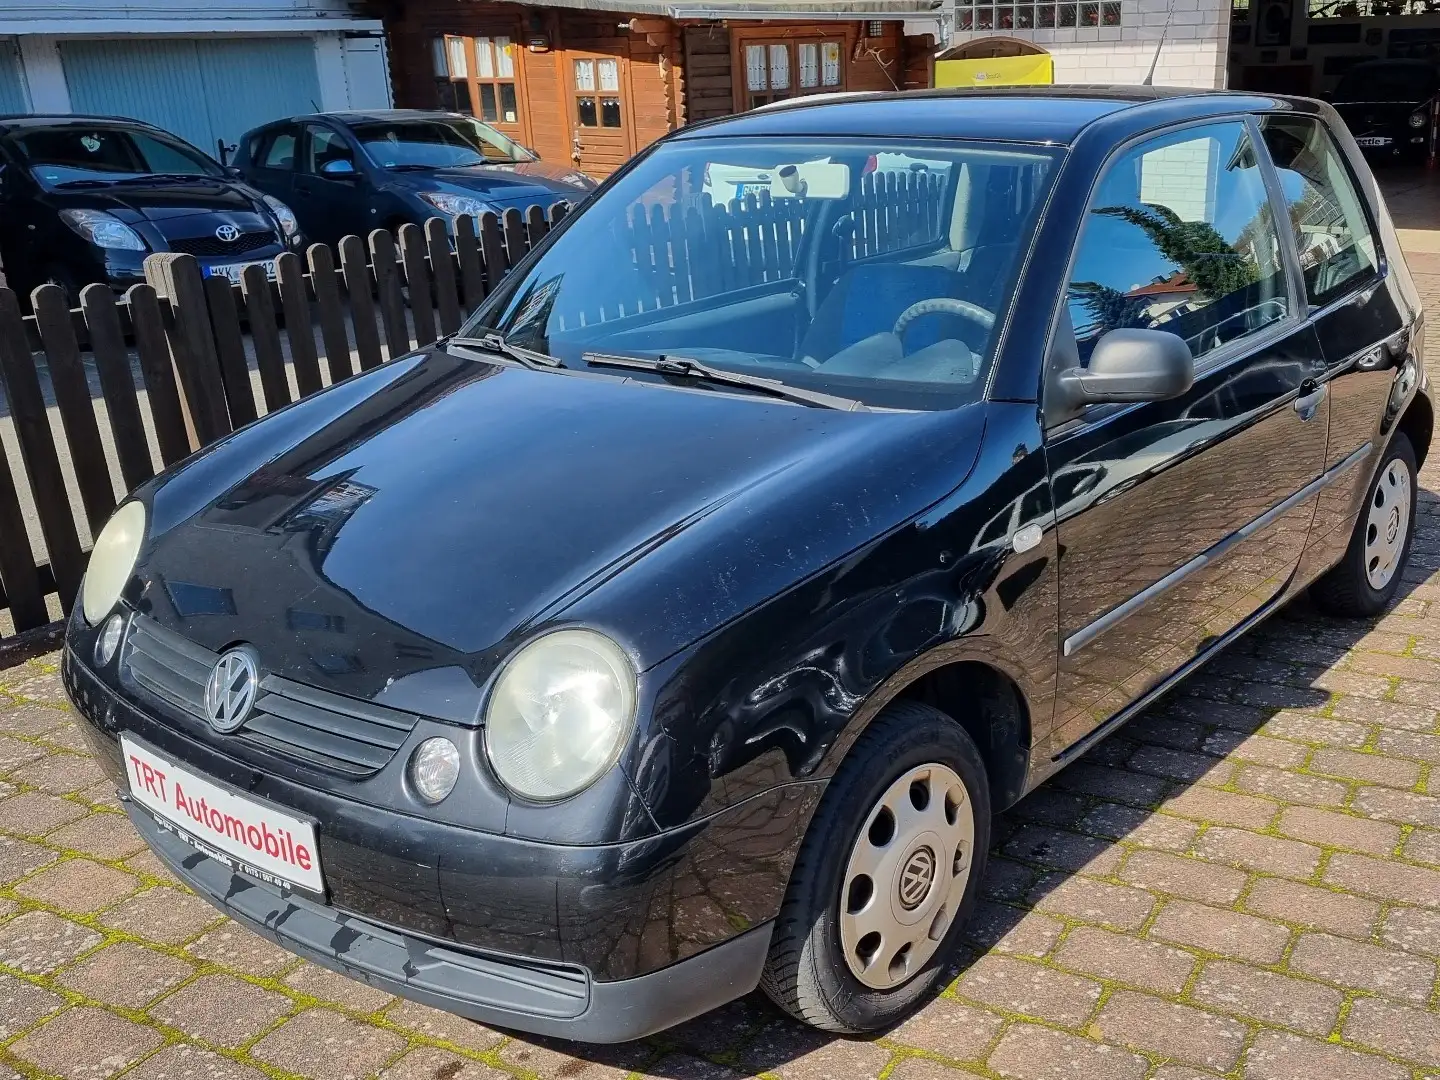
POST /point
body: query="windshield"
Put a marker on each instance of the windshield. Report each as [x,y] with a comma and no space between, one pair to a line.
[1382,82]
[64,155]
[869,269]
[442,142]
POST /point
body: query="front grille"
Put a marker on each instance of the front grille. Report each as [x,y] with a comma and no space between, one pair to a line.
[303,723]
[213,245]
[169,665]
[326,729]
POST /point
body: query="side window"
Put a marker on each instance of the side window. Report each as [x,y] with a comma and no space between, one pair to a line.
[280,154]
[1180,236]
[323,147]
[1337,248]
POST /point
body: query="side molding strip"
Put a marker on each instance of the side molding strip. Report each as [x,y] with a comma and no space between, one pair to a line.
[1082,637]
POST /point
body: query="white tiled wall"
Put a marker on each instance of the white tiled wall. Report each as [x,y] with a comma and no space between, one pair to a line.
[1193,53]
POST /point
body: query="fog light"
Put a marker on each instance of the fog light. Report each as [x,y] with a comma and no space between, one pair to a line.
[434,768]
[109,640]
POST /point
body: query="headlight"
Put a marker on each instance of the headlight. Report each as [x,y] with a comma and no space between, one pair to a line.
[112,561]
[1417,119]
[283,214]
[103,230]
[562,710]
[455,205]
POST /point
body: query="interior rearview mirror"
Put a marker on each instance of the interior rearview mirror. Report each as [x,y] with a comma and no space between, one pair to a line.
[1128,365]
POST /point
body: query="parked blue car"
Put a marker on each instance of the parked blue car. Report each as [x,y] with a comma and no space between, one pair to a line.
[346,173]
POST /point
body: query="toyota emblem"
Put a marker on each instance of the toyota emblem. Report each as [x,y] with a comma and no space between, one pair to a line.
[230,690]
[228,233]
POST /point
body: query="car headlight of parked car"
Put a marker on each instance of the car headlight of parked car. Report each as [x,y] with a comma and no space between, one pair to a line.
[1417,119]
[284,215]
[112,561]
[104,230]
[453,206]
[560,713]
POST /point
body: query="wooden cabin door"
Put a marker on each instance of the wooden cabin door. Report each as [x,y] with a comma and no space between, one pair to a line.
[601,120]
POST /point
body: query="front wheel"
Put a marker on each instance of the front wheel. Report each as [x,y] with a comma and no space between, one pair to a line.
[886,877]
[1367,578]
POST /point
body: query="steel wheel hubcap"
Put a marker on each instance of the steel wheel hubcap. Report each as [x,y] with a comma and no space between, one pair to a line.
[906,876]
[1387,524]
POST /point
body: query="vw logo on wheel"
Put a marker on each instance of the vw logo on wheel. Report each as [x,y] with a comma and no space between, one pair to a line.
[915,878]
[228,233]
[230,690]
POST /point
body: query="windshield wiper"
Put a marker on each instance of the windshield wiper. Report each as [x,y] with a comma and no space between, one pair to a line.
[496,344]
[84,184]
[694,369]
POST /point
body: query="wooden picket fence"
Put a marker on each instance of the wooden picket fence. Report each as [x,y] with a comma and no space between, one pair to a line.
[195,339]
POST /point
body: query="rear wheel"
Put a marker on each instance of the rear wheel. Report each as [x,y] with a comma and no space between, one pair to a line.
[1369,575]
[886,876]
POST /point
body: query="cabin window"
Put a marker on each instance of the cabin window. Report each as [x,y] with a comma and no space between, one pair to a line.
[477,75]
[775,70]
[597,92]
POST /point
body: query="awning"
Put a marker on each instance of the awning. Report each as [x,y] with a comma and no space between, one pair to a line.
[790,10]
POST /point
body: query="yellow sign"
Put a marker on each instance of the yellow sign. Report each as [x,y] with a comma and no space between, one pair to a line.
[997,71]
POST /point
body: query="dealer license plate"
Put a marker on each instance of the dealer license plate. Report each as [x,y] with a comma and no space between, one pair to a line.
[234,270]
[242,833]
[1372,140]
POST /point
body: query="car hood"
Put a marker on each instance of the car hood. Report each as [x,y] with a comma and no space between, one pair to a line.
[168,200]
[507,185]
[404,530]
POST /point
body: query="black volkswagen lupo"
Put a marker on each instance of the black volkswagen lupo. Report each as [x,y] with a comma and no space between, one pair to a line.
[678,627]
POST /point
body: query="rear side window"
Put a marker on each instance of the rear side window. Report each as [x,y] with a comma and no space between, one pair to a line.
[1332,233]
[1180,237]
[280,154]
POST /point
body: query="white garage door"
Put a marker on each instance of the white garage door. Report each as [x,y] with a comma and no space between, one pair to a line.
[12,87]
[202,90]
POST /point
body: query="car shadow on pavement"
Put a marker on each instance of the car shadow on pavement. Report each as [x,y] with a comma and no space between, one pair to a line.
[1066,849]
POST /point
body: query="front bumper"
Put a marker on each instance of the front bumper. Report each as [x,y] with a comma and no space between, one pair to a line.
[602,943]
[507,992]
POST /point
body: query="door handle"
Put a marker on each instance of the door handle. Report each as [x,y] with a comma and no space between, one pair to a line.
[1308,403]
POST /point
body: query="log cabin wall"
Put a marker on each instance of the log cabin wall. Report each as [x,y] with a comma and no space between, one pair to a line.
[611,83]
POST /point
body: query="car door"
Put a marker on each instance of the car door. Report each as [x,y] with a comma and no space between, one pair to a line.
[1198,512]
[1364,335]
[336,202]
[271,165]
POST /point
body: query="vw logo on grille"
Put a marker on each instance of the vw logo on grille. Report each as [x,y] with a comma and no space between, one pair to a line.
[228,233]
[230,691]
[915,878]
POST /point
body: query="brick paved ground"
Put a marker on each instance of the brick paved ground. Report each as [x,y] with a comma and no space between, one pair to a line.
[1243,883]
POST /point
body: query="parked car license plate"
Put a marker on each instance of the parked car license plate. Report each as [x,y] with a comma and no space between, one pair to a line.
[1372,140]
[245,834]
[234,270]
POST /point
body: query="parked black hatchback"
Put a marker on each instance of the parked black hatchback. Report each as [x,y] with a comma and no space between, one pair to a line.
[678,626]
[347,173]
[85,199]
[1388,105]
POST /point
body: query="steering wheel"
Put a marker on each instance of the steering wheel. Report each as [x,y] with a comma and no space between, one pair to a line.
[944,305]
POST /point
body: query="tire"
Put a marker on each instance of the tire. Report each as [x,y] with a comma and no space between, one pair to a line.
[807,972]
[1367,578]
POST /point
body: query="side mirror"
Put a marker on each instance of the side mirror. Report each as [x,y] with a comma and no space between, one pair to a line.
[337,168]
[233,173]
[1129,365]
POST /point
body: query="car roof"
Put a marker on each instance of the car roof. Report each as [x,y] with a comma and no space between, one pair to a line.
[365,116]
[1010,113]
[1394,61]
[13,121]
